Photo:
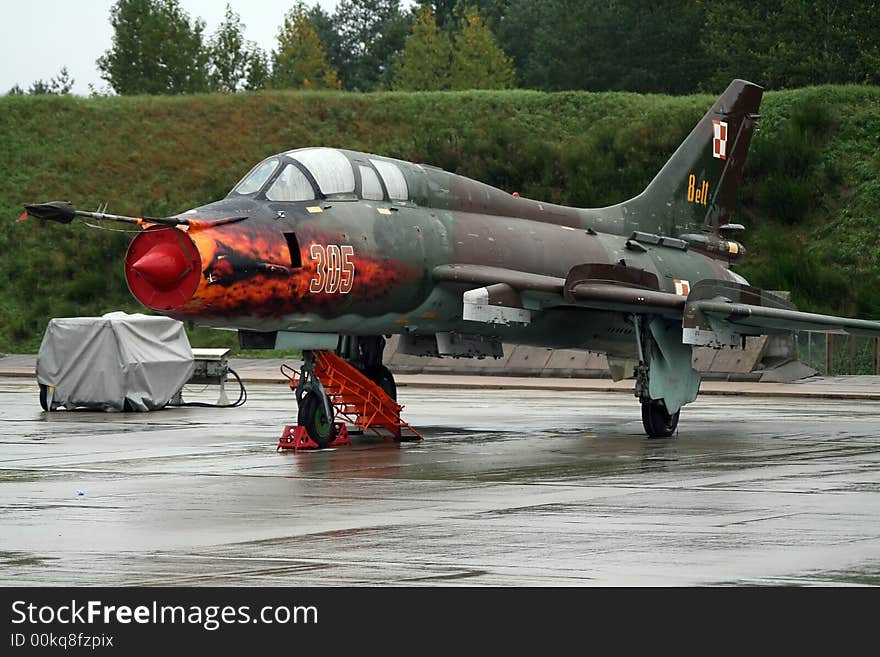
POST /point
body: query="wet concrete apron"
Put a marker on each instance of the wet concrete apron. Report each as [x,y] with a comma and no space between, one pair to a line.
[511,487]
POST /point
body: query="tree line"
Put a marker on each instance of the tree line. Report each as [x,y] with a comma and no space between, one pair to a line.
[662,46]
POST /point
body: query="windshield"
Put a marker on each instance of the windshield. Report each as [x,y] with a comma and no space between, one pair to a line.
[291,185]
[257,177]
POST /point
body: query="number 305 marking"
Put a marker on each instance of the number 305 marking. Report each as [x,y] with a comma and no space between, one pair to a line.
[335,269]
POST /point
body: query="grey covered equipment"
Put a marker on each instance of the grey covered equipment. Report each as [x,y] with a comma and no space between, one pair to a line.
[116,362]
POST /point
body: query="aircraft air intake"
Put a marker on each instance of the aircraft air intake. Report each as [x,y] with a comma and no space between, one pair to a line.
[162,268]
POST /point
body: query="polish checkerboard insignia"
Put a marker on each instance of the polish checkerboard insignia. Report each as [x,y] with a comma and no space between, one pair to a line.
[719,139]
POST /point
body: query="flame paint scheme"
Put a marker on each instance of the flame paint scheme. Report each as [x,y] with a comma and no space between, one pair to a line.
[249,273]
[321,243]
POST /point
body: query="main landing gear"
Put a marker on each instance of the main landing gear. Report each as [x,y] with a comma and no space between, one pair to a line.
[665,380]
[656,419]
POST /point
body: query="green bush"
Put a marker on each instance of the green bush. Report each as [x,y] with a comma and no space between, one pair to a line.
[787,169]
[786,199]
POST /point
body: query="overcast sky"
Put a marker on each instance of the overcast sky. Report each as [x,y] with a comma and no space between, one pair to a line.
[38,37]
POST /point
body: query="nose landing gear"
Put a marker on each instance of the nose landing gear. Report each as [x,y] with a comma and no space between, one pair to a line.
[351,385]
[317,421]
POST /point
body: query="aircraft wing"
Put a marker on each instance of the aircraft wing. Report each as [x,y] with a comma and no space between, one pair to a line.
[717,313]
[622,298]
[485,275]
[745,317]
[496,294]
[499,299]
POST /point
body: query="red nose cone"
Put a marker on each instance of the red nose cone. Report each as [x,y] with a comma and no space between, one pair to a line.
[163,265]
[163,268]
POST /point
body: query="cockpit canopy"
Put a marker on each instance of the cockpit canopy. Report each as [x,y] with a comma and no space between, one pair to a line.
[306,174]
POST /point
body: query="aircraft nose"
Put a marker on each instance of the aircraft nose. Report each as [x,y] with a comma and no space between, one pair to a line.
[162,268]
[162,265]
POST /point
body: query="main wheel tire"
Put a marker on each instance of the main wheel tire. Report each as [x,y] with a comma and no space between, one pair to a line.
[657,421]
[382,377]
[313,416]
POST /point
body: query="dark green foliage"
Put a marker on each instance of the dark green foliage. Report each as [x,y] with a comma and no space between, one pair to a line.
[370,34]
[807,199]
[57,86]
[257,71]
[680,46]
[792,43]
[786,165]
[450,12]
[606,44]
[662,46]
[156,49]
[234,62]
[787,264]
[162,155]
[325,26]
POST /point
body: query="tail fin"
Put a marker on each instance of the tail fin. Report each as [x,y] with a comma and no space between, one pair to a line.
[696,189]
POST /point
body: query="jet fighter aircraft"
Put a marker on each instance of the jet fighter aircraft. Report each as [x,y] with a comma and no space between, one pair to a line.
[330,249]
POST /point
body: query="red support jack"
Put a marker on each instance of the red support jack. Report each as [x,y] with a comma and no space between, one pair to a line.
[296,437]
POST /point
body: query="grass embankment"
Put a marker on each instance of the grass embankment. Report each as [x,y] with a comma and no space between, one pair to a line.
[811,197]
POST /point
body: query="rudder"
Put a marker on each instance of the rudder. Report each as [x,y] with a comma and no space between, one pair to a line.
[696,188]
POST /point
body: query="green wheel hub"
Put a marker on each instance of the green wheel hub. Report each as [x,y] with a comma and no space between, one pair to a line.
[313,416]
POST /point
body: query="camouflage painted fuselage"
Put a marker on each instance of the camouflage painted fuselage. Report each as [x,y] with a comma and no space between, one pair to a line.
[251,279]
[350,264]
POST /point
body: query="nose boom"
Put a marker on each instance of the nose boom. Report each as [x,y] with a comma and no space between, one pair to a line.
[162,268]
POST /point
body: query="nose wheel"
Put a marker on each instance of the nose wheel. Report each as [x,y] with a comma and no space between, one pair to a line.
[332,390]
[315,410]
[313,416]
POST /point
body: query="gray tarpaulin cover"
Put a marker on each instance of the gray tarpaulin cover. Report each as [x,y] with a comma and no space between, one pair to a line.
[115,362]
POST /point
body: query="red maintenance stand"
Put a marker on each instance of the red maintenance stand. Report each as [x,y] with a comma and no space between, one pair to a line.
[354,399]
